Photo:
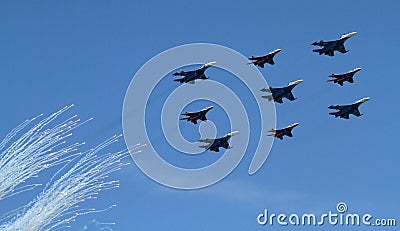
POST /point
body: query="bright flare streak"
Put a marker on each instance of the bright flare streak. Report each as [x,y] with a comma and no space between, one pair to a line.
[58,205]
[33,152]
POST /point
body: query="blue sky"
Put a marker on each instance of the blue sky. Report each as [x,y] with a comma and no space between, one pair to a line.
[86,53]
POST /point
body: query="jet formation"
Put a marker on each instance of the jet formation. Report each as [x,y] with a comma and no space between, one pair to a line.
[329,47]
[199,115]
[191,76]
[346,77]
[277,94]
[344,111]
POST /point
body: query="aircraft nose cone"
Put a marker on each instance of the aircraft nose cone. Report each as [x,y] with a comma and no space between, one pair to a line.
[297,82]
[211,63]
[366,99]
[234,133]
[363,100]
[353,33]
[295,124]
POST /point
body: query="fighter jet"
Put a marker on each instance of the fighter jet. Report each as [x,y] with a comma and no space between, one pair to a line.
[215,144]
[344,111]
[283,132]
[191,76]
[329,47]
[277,94]
[194,116]
[261,60]
[341,78]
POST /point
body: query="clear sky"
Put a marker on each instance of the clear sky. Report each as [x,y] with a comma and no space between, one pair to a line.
[53,54]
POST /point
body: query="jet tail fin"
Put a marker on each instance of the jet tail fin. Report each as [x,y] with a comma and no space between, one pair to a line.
[336,114]
[181,73]
[266,89]
[319,51]
[272,130]
[182,80]
[204,146]
[268,97]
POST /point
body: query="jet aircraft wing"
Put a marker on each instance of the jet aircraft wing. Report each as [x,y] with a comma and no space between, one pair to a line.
[346,116]
[215,149]
[290,96]
[330,53]
[342,49]
[279,100]
[357,112]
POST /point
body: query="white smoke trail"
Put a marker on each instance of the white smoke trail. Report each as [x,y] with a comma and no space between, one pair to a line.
[58,204]
[34,151]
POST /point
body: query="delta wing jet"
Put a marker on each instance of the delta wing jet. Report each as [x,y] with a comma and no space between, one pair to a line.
[191,76]
[194,116]
[277,94]
[346,77]
[261,60]
[328,47]
[280,133]
[344,111]
[215,144]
